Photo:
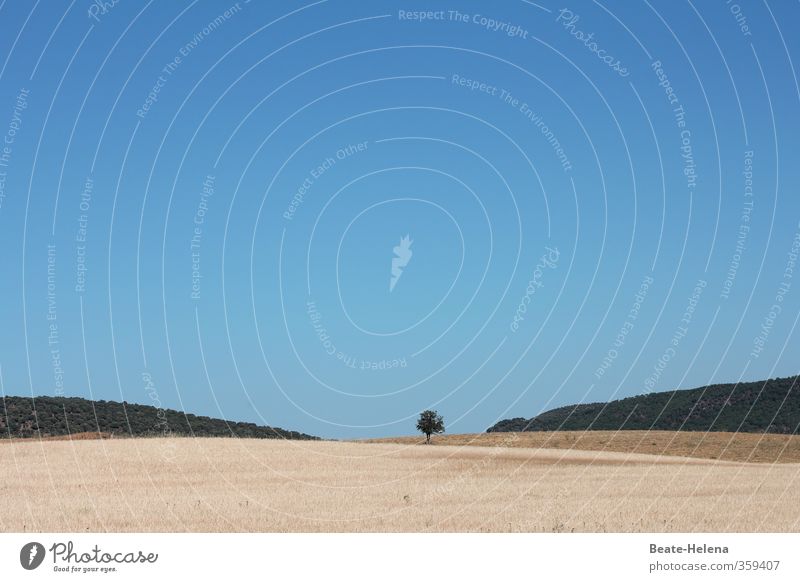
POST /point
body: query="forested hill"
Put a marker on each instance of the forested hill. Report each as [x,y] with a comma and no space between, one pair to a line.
[766,406]
[59,416]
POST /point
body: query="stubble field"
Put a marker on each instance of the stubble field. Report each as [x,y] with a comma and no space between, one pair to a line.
[183,484]
[725,446]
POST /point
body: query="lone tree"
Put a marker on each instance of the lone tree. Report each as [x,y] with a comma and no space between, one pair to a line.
[430,422]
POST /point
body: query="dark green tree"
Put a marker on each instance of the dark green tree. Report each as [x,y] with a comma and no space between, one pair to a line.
[430,422]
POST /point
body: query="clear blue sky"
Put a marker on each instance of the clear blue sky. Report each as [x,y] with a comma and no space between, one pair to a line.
[200,202]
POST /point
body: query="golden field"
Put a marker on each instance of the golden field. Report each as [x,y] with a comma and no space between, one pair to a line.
[725,446]
[203,484]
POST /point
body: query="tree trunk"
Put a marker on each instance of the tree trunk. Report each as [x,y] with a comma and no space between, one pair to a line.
[427,438]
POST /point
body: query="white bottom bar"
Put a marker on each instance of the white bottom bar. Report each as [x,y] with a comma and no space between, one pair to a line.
[406,557]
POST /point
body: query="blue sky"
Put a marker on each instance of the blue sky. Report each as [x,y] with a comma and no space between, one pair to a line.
[601,200]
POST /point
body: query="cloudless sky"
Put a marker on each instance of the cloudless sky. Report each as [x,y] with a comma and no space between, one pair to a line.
[200,204]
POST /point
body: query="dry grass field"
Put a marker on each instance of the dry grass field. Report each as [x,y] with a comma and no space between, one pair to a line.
[184,484]
[726,446]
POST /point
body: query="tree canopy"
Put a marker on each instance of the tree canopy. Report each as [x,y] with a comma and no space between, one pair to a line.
[430,422]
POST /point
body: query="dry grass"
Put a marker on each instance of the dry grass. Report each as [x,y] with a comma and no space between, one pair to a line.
[75,436]
[257,485]
[726,446]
